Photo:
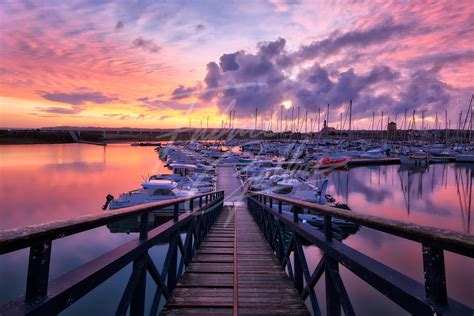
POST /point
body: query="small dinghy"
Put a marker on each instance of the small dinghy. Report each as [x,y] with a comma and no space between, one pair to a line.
[328,163]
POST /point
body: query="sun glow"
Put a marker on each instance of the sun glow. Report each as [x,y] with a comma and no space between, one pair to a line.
[287,104]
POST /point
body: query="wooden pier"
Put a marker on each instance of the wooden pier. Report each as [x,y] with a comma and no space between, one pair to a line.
[234,271]
[231,254]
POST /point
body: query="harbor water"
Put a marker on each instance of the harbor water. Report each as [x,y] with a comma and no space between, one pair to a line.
[41,183]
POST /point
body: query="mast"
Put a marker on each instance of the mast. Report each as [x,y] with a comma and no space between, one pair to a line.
[298,121]
[207,124]
[281,119]
[373,122]
[340,126]
[256,116]
[319,119]
[306,122]
[292,118]
[446,124]
[350,115]
[327,117]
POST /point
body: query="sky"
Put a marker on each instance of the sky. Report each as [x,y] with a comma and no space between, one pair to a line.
[164,64]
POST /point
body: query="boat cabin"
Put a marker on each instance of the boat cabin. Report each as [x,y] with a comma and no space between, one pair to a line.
[183,169]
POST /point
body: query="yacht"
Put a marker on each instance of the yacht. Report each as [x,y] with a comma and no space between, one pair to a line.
[151,191]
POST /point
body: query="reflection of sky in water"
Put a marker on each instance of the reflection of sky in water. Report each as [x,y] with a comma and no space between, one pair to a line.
[48,182]
[437,196]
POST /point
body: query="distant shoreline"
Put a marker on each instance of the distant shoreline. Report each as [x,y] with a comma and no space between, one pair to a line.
[67,135]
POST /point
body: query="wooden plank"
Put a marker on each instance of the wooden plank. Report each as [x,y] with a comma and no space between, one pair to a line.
[197,311]
[264,287]
[235,272]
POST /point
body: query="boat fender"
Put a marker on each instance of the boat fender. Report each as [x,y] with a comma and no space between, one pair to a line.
[329,198]
[108,199]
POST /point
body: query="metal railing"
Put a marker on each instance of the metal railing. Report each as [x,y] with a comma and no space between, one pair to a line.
[49,298]
[419,299]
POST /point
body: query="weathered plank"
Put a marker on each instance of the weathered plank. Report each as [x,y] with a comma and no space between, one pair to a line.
[235,272]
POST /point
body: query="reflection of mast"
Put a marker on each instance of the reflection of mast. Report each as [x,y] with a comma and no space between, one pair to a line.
[406,196]
[464,191]
[347,186]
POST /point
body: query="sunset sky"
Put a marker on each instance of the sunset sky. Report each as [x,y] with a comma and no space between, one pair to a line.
[156,64]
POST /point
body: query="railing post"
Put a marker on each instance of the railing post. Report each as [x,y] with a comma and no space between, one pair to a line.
[328,227]
[207,199]
[191,205]
[333,302]
[200,202]
[265,200]
[296,210]
[173,263]
[435,275]
[271,203]
[280,207]
[38,271]
[143,226]
[137,302]
[298,274]
[176,212]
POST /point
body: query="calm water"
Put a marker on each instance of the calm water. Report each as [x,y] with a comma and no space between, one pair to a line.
[42,183]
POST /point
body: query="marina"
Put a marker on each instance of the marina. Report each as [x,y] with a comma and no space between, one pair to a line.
[213,284]
[271,157]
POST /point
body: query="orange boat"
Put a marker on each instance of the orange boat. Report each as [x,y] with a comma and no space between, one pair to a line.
[326,163]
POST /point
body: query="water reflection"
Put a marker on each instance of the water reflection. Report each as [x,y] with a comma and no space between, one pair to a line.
[438,195]
[133,224]
[42,183]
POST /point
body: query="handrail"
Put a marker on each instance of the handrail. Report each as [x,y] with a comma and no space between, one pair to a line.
[43,296]
[426,298]
[22,237]
[443,238]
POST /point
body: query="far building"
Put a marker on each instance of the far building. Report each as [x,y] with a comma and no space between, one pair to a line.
[392,127]
[328,130]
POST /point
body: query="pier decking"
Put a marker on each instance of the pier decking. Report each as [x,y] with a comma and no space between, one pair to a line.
[234,271]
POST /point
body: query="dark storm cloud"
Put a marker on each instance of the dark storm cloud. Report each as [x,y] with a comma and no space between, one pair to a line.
[77,98]
[200,27]
[264,79]
[315,85]
[380,33]
[182,92]
[227,62]
[59,110]
[442,59]
[119,26]
[158,104]
[271,49]
[424,91]
[147,45]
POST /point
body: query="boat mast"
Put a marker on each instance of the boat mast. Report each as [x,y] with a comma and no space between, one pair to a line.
[327,117]
[319,119]
[306,122]
[256,115]
[281,119]
[350,116]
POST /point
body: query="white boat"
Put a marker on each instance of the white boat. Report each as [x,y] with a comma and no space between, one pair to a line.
[151,191]
[293,188]
[418,159]
[187,178]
